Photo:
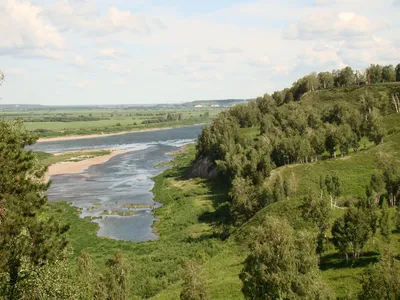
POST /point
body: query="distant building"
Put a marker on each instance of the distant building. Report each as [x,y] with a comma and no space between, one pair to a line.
[215,105]
[198,106]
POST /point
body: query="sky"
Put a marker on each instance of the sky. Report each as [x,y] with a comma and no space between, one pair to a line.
[86,52]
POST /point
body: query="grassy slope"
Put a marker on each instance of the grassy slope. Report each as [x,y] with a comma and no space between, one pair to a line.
[354,171]
[188,215]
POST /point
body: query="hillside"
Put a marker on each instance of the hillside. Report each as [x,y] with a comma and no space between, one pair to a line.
[194,221]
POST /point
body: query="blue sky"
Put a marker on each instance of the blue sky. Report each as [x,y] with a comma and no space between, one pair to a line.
[140,51]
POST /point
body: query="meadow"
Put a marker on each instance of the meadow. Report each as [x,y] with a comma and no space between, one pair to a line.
[55,122]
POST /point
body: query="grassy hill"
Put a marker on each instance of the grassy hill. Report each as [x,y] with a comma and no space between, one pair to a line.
[192,211]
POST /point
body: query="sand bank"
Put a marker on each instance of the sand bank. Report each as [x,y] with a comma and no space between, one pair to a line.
[71,167]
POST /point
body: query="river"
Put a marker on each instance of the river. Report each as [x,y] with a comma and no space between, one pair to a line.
[106,191]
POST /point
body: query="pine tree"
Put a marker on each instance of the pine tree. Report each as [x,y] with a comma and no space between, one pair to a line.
[193,287]
[26,233]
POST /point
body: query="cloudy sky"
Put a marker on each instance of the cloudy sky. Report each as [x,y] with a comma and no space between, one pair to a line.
[158,51]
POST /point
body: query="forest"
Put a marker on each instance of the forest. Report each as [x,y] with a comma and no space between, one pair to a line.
[304,206]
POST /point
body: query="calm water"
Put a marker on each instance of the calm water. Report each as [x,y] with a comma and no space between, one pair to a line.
[111,187]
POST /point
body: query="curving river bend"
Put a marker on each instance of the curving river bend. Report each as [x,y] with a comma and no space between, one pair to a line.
[121,185]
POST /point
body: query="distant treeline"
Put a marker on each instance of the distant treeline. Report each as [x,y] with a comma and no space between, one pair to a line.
[80,118]
[169,118]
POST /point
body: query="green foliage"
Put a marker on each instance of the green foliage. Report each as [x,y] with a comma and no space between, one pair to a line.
[385,222]
[282,264]
[382,281]
[193,287]
[216,140]
[117,277]
[326,80]
[397,71]
[388,74]
[374,73]
[334,187]
[92,283]
[317,211]
[370,208]
[55,280]
[27,236]
[350,232]
[344,77]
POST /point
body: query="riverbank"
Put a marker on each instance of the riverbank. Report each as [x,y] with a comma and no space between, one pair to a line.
[186,223]
[75,165]
[91,136]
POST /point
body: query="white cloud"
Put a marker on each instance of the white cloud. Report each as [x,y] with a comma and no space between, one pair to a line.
[79,60]
[231,50]
[14,72]
[332,26]
[24,32]
[82,84]
[61,77]
[86,18]
[196,85]
[322,2]
[261,62]
[113,68]
[112,53]
[121,82]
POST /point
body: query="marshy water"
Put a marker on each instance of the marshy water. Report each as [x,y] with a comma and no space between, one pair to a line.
[117,194]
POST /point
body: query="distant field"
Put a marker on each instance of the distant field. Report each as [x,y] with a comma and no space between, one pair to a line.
[64,122]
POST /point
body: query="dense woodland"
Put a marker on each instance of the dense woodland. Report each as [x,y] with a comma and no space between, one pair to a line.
[283,261]
[292,132]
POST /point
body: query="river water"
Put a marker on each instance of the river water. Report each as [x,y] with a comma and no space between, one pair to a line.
[121,185]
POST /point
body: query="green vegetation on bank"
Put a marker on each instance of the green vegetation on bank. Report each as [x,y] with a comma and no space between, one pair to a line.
[48,159]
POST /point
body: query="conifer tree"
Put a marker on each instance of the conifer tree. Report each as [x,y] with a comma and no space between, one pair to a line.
[27,234]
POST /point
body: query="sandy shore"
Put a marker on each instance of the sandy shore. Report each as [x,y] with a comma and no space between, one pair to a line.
[77,167]
[90,136]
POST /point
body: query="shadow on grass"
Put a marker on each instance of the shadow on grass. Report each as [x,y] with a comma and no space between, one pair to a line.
[337,261]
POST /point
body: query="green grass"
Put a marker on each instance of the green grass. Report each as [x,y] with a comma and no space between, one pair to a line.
[50,159]
[98,121]
[354,171]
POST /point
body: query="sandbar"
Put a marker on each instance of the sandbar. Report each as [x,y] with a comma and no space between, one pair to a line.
[71,167]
